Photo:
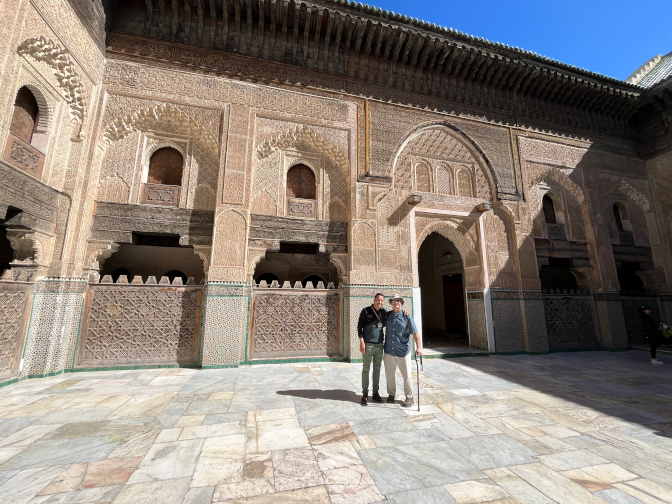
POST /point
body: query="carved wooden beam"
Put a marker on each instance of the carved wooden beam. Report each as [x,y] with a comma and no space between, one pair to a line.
[213,23]
[150,15]
[295,33]
[176,18]
[225,23]
[316,52]
[250,22]
[327,42]
[237,34]
[306,35]
[337,42]
[439,67]
[162,16]
[285,21]
[359,35]
[394,59]
[351,24]
[274,12]
[374,31]
[410,45]
[262,23]
[201,17]
[390,40]
[430,47]
[373,68]
[187,20]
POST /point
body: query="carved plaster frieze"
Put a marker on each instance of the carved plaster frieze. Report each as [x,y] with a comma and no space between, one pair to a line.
[58,58]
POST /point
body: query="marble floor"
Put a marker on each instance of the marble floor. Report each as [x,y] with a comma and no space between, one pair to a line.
[584,427]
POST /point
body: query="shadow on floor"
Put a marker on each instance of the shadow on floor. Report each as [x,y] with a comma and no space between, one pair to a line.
[332,395]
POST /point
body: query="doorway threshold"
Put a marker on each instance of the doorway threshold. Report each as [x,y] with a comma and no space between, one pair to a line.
[449,352]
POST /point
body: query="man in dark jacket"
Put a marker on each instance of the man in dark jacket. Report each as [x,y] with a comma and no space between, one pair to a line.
[371,339]
[652,332]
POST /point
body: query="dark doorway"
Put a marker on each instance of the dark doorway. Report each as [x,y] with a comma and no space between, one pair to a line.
[453,304]
[440,271]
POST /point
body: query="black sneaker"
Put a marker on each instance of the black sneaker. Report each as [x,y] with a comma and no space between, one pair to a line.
[365,399]
[390,399]
[408,402]
[377,398]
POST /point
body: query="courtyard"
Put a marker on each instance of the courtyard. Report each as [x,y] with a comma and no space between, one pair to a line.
[584,427]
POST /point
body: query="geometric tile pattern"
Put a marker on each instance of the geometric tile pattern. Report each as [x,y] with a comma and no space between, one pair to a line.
[132,324]
[295,324]
[225,324]
[52,334]
[507,317]
[477,325]
[569,319]
[11,311]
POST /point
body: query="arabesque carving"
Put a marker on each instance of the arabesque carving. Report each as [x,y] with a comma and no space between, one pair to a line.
[58,58]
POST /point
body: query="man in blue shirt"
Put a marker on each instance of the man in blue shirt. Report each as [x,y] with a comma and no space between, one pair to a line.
[398,329]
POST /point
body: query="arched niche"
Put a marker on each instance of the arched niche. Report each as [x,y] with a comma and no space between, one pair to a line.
[441,146]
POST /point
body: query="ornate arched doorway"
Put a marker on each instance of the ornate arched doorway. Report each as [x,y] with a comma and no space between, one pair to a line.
[441,278]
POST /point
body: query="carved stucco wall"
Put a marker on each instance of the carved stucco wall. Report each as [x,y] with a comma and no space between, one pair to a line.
[133,128]
[281,144]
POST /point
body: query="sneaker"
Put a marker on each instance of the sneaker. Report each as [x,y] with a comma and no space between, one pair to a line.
[390,399]
[656,361]
[408,402]
[377,398]
[365,399]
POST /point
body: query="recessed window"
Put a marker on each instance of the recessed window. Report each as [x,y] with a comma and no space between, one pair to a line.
[301,182]
[25,146]
[164,178]
[26,115]
[549,210]
[165,167]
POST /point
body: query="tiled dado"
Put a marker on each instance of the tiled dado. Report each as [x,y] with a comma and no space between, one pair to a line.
[225,324]
[53,329]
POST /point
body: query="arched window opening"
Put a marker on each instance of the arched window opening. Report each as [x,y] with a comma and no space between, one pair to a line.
[300,182]
[301,191]
[164,178]
[549,210]
[26,115]
[25,149]
[165,167]
[617,218]
[623,225]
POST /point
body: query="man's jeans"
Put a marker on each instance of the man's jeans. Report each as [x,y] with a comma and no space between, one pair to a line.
[375,352]
[404,364]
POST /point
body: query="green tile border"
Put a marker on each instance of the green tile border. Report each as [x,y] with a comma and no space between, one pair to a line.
[9,382]
[293,360]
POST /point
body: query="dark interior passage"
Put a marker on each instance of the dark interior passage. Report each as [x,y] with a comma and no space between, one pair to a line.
[440,271]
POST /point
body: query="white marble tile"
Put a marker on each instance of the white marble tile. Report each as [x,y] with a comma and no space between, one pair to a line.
[168,460]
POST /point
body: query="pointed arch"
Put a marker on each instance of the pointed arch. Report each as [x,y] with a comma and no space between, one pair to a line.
[151,118]
[451,230]
[449,142]
[306,137]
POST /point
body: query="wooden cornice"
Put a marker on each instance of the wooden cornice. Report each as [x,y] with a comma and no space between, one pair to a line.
[366,45]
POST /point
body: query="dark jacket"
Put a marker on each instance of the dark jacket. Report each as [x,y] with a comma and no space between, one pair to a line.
[367,326]
[651,326]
